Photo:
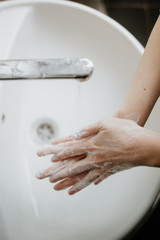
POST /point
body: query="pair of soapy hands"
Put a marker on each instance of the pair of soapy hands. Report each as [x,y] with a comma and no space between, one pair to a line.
[93,154]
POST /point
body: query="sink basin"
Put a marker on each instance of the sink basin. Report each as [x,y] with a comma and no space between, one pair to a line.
[33,112]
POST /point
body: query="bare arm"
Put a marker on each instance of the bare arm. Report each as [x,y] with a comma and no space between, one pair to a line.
[145,88]
[114,144]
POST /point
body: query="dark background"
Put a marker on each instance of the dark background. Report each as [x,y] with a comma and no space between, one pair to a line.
[139,17]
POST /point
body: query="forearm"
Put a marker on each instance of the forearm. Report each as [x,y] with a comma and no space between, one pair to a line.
[145,88]
[151,144]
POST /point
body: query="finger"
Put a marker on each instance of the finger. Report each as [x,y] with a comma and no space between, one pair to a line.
[88,131]
[76,158]
[51,170]
[62,140]
[102,177]
[112,170]
[72,169]
[120,167]
[77,135]
[69,182]
[70,150]
[75,167]
[50,150]
[57,167]
[64,184]
[54,149]
[85,181]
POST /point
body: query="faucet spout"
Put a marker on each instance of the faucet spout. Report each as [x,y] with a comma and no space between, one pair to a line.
[66,68]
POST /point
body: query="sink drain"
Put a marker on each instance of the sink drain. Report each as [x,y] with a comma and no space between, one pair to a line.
[43,131]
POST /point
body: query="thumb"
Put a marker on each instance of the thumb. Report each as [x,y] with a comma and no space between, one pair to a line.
[87,131]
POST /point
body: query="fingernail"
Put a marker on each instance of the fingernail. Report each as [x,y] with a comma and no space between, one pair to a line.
[38,175]
[53,158]
[39,153]
[44,152]
[47,149]
[51,178]
[70,192]
[96,183]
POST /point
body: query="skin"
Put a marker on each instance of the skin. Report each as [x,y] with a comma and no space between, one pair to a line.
[116,144]
[102,149]
[145,87]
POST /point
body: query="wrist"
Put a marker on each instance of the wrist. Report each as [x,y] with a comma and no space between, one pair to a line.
[120,114]
[151,144]
[125,113]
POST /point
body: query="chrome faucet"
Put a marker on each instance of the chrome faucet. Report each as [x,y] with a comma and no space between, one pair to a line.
[67,68]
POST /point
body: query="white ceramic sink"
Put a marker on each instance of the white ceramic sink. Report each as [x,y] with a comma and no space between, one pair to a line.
[31,209]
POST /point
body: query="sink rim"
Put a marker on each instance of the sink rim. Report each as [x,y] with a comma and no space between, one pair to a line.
[106,18]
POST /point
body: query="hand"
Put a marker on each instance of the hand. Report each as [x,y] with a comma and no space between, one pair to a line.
[94,153]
